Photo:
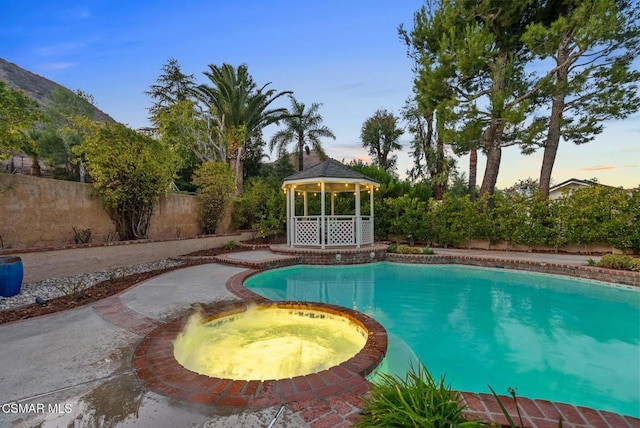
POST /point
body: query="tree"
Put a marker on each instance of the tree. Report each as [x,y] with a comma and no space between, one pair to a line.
[429,157]
[380,134]
[130,172]
[56,135]
[240,109]
[18,114]
[177,119]
[592,45]
[303,127]
[470,66]
[172,87]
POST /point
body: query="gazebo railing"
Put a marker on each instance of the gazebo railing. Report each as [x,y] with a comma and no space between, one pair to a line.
[340,230]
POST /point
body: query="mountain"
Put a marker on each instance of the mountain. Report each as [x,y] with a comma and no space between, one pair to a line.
[37,87]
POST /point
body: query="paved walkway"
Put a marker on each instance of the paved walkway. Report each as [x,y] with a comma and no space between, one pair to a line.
[569,259]
[76,366]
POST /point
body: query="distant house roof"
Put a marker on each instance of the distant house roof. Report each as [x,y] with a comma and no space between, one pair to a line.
[328,169]
[572,181]
[559,190]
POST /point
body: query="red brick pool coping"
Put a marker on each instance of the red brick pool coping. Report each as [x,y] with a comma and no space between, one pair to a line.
[156,366]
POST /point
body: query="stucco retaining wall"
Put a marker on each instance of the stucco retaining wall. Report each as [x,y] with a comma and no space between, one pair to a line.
[37,212]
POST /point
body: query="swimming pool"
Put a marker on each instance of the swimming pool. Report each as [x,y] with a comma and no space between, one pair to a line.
[549,337]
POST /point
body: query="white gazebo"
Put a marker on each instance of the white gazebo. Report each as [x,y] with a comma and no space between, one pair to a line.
[326,229]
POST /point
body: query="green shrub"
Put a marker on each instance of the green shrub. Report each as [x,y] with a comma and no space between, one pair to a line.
[215,185]
[416,400]
[407,249]
[262,208]
[454,220]
[621,262]
[130,172]
[231,245]
[409,217]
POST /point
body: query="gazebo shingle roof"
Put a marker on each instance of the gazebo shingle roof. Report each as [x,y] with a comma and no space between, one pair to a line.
[329,169]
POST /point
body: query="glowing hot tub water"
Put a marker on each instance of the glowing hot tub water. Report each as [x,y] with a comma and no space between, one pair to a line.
[268,342]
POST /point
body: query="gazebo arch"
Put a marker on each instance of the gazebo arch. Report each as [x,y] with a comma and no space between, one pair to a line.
[328,229]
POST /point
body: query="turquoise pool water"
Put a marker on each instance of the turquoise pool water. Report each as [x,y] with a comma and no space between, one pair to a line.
[549,337]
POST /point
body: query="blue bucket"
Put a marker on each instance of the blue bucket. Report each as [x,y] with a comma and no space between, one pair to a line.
[11,274]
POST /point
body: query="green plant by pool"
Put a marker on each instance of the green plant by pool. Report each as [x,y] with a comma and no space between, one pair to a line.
[549,337]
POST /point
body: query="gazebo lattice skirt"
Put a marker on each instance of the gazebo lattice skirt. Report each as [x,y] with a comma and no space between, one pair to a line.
[339,230]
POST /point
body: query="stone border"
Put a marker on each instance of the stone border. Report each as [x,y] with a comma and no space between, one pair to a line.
[335,255]
[622,277]
[156,367]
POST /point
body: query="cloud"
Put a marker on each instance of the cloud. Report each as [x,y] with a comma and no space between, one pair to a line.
[59,49]
[57,65]
[608,167]
[348,87]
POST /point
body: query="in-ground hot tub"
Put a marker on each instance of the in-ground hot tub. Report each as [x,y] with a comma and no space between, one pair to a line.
[226,376]
[268,341]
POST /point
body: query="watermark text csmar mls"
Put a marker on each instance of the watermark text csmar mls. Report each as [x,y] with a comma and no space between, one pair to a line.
[35,408]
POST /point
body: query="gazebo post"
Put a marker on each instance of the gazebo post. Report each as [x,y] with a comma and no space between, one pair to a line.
[322,210]
[358,226]
[371,190]
[306,206]
[288,215]
[292,202]
[333,203]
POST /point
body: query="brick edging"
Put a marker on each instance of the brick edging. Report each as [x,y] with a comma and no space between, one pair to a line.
[156,366]
[624,278]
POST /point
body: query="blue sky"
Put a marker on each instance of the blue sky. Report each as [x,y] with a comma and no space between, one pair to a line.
[344,54]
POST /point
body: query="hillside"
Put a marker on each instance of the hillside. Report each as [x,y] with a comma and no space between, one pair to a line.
[37,87]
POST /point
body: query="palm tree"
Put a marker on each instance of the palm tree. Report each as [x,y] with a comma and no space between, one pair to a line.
[304,128]
[241,110]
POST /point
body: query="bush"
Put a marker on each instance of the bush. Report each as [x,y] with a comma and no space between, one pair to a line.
[598,214]
[620,262]
[454,220]
[215,184]
[416,400]
[262,208]
[407,249]
[130,172]
[409,217]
